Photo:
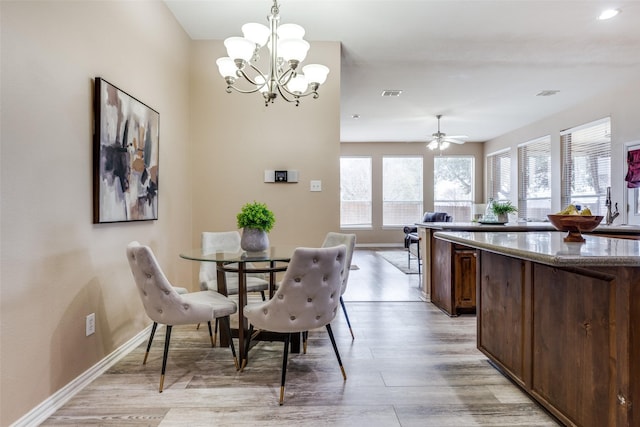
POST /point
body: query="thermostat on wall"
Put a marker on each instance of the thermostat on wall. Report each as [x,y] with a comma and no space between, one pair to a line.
[280,176]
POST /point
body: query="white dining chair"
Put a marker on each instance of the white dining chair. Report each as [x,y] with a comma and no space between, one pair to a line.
[349,240]
[227,241]
[164,305]
[307,298]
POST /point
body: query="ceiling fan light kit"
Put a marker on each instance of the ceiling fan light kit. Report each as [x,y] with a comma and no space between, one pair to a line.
[441,141]
[287,50]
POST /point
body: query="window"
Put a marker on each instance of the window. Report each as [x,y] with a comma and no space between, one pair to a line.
[534,179]
[355,192]
[586,165]
[499,176]
[453,178]
[401,190]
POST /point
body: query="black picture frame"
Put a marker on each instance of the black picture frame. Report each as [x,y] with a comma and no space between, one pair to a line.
[126,144]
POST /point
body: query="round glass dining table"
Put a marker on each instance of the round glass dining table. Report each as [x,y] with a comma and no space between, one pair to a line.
[274,260]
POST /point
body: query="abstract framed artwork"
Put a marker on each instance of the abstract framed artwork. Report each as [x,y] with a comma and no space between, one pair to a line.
[125,157]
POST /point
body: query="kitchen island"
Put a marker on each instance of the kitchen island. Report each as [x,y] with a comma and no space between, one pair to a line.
[449,270]
[448,278]
[562,320]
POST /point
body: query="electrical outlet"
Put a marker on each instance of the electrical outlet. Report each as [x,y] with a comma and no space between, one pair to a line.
[90,324]
[315,185]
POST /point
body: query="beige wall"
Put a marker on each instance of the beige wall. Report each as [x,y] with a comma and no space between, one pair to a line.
[235,138]
[377,150]
[57,266]
[622,105]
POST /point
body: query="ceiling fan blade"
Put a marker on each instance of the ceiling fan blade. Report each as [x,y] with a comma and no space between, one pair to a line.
[454,141]
[458,136]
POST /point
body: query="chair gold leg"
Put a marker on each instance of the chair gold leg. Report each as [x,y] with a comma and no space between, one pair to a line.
[344,373]
[281,395]
[144,362]
[161,382]
[212,337]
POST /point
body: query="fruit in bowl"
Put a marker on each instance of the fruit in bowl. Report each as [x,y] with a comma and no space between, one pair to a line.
[575,225]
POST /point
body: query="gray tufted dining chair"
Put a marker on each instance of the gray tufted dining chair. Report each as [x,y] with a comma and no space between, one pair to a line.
[307,298]
[226,241]
[164,305]
[349,240]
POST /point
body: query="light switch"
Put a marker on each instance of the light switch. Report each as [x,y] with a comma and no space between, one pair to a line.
[316,186]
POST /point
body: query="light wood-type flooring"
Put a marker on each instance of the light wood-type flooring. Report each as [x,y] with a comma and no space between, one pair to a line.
[409,365]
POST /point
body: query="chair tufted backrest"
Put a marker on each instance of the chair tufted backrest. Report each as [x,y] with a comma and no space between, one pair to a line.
[308,295]
[160,300]
[349,240]
[216,241]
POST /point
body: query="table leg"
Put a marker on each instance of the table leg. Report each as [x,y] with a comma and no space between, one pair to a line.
[221,278]
[242,324]
[272,278]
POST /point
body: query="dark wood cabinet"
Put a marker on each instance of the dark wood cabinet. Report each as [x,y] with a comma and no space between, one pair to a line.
[568,336]
[453,277]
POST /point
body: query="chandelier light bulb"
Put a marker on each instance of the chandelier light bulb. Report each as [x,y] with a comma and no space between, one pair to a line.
[298,84]
[293,49]
[444,145]
[239,48]
[433,145]
[257,33]
[226,67]
[290,31]
[316,73]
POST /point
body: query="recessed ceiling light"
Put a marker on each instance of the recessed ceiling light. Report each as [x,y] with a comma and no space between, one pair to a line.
[391,92]
[608,14]
[548,92]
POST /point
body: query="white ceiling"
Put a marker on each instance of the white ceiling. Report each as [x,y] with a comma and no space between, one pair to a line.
[479,63]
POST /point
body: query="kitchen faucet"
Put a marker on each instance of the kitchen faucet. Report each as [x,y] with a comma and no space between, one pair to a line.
[610,215]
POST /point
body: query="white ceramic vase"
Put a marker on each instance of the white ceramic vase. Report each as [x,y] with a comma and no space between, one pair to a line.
[254,240]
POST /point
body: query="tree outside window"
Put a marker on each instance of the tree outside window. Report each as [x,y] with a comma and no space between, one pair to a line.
[453,191]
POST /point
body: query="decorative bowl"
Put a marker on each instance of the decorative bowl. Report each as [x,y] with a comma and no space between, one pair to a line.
[575,225]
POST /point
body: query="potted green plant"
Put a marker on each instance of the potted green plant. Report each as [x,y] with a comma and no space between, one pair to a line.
[502,209]
[256,220]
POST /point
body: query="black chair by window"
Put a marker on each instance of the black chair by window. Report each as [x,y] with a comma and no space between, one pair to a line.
[411,235]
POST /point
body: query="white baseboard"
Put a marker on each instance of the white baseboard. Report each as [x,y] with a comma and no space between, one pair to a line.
[49,406]
[379,245]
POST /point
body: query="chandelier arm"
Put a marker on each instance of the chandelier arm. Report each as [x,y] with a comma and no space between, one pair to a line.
[230,87]
[252,81]
[284,92]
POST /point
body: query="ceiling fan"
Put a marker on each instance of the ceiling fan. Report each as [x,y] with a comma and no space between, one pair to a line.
[441,141]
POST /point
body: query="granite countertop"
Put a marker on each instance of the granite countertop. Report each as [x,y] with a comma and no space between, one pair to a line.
[476,226]
[548,247]
[524,226]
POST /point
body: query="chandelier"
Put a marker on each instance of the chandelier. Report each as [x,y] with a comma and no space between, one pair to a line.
[287,50]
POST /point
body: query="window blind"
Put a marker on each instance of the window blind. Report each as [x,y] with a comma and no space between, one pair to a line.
[499,175]
[534,179]
[586,165]
[401,190]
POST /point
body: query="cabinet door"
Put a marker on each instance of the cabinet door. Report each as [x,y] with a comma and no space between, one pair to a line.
[465,280]
[441,287]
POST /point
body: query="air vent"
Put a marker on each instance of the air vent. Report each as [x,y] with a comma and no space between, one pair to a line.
[547,93]
[391,92]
